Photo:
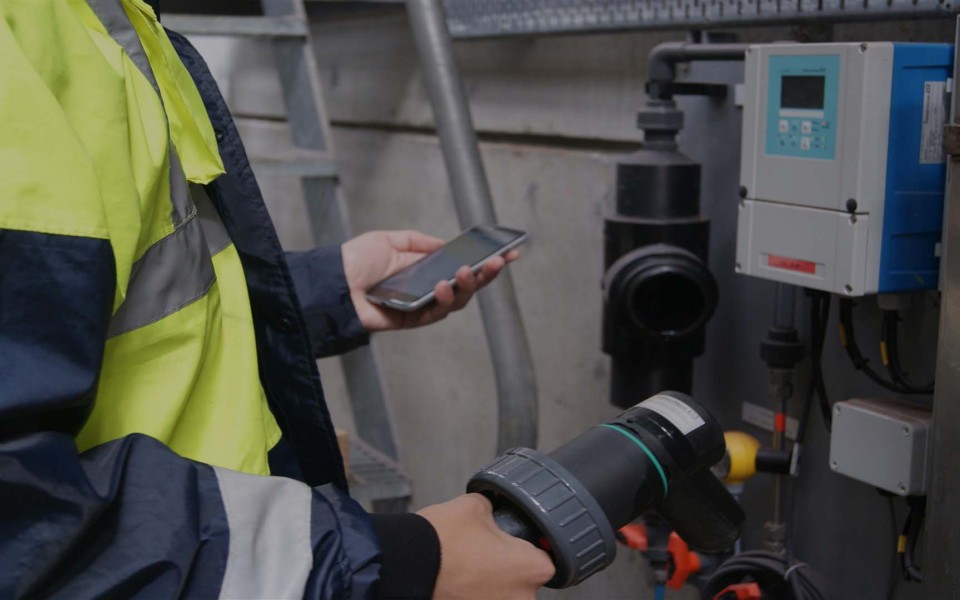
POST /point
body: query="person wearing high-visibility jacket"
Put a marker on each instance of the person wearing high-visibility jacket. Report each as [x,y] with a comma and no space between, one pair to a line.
[163,430]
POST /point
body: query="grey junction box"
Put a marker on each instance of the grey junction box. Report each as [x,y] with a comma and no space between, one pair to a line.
[884,443]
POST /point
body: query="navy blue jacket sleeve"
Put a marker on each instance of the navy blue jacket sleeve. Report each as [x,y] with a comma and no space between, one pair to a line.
[130,518]
[325,301]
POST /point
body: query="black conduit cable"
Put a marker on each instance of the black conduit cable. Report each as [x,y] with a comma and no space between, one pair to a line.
[819,317]
[907,543]
[790,515]
[890,355]
[895,535]
[826,410]
[848,340]
[772,572]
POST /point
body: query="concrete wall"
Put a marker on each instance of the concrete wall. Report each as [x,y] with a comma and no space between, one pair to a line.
[556,112]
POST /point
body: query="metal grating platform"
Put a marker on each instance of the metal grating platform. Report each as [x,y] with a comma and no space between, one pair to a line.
[374,476]
[490,18]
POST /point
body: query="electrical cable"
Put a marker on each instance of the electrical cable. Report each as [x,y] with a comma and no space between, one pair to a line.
[895,555]
[790,517]
[848,340]
[775,576]
[890,353]
[826,410]
[800,582]
[907,543]
[819,317]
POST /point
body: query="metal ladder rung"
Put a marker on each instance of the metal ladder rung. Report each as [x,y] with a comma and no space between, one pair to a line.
[295,163]
[208,25]
[374,476]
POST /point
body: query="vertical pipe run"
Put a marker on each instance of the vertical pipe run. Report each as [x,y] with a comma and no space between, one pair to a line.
[506,338]
[784,309]
[471,194]
[778,478]
[784,306]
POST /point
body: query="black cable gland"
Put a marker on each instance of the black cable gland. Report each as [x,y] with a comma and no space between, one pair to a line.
[782,349]
[773,461]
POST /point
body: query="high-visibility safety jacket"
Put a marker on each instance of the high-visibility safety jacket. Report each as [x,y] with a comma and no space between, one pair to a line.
[157,347]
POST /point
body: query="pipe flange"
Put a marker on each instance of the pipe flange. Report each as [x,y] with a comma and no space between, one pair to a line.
[681,284]
[665,117]
[580,536]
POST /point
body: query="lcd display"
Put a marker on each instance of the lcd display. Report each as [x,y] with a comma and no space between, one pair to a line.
[802,91]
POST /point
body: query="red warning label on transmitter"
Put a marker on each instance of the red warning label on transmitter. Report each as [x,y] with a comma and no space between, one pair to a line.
[792,264]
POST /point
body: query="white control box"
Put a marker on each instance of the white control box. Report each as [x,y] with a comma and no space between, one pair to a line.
[883,443]
[841,166]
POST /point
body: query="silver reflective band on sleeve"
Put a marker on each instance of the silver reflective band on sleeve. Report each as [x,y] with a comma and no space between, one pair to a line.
[118,25]
[270,554]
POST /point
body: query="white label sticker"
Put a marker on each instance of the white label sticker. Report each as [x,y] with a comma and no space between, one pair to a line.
[682,416]
[763,418]
[934,118]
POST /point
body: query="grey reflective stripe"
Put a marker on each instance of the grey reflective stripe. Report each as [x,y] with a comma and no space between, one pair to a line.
[179,190]
[176,270]
[270,554]
[118,25]
[213,229]
[171,274]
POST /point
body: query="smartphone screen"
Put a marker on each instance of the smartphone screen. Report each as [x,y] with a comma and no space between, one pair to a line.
[470,248]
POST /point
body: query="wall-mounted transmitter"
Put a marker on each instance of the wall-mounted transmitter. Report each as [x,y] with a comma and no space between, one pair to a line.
[842,167]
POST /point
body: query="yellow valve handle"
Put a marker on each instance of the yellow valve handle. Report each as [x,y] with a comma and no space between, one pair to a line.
[742,455]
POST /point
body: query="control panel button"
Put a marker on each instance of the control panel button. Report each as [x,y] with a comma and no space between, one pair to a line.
[784,126]
[805,143]
[806,127]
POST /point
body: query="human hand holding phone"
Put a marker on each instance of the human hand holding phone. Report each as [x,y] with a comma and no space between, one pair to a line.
[374,256]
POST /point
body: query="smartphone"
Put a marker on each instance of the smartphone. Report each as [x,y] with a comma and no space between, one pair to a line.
[412,288]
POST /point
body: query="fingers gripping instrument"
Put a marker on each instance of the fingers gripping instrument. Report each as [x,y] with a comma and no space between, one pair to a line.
[572,500]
